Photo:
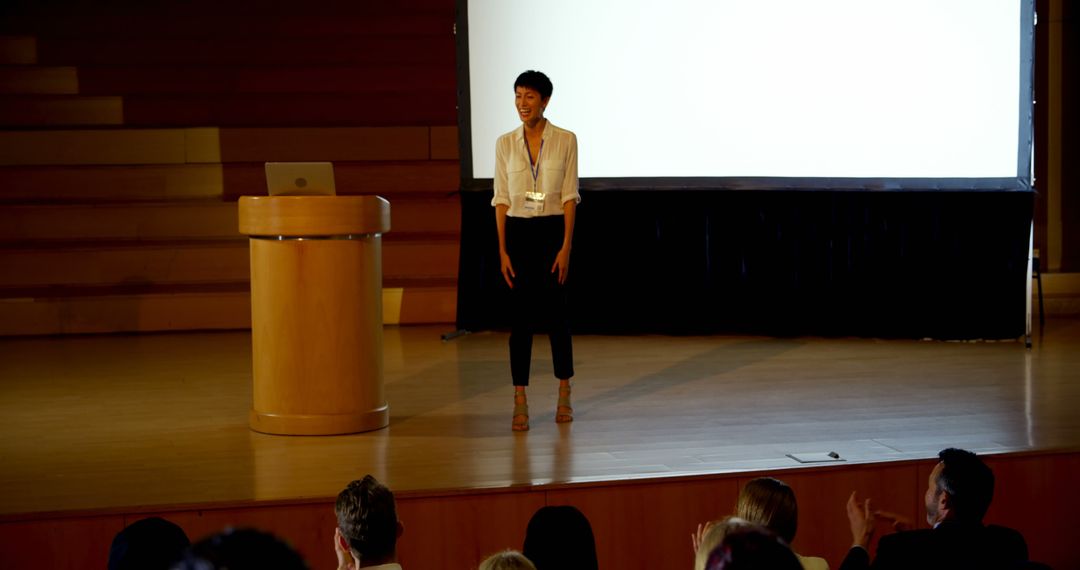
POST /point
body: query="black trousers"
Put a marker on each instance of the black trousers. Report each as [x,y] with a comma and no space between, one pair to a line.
[538,301]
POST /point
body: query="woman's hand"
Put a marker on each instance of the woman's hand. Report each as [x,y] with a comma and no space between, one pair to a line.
[562,264]
[697,537]
[344,557]
[507,269]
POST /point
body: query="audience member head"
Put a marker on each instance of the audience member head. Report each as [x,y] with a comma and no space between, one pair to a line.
[241,549]
[770,503]
[752,547]
[368,527]
[961,487]
[536,81]
[147,544]
[507,560]
[714,535]
[560,538]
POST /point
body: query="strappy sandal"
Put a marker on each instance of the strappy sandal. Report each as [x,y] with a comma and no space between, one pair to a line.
[521,413]
[563,412]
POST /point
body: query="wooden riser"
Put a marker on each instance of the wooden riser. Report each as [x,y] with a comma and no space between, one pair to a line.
[188,220]
[213,145]
[40,80]
[431,107]
[282,50]
[225,80]
[61,111]
[18,50]
[405,179]
[189,19]
[85,147]
[124,183]
[334,144]
[190,311]
[95,265]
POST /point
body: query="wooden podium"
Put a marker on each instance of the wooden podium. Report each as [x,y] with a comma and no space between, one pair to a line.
[316,313]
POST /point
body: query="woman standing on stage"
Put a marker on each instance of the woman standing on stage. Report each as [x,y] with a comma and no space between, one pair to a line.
[536,195]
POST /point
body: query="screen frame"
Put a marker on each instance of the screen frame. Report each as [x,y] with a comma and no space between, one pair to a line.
[1022,182]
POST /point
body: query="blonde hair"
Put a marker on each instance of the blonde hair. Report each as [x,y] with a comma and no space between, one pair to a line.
[770,503]
[507,560]
[714,535]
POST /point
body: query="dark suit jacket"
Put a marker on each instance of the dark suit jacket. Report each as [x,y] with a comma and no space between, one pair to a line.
[952,546]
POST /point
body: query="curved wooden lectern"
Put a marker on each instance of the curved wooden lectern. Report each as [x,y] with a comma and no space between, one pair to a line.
[316,312]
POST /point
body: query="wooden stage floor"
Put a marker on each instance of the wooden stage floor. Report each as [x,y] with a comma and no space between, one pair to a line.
[100,423]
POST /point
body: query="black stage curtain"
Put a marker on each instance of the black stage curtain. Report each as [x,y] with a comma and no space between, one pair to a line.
[945,265]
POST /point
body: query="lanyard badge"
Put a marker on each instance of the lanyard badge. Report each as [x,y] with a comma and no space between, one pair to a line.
[534,201]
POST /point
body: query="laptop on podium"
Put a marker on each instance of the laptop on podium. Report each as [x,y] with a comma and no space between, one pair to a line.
[300,179]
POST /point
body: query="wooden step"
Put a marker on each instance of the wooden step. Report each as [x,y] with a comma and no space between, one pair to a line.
[44,223]
[139,221]
[143,146]
[406,108]
[95,263]
[20,111]
[230,19]
[227,307]
[110,183]
[18,50]
[325,144]
[240,50]
[222,309]
[40,80]
[389,179]
[210,145]
[278,79]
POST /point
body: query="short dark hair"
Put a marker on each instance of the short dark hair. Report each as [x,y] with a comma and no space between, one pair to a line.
[536,81]
[367,518]
[147,544]
[968,481]
[752,548]
[770,502]
[241,549]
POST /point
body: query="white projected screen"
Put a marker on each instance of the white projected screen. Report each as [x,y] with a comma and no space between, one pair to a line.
[763,88]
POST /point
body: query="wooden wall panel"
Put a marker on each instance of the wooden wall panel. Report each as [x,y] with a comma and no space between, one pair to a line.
[457,532]
[1036,496]
[64,544]
[308,528]
[637,524]
[648,525]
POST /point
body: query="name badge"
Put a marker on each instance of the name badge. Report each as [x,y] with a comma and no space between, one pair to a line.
[534,202]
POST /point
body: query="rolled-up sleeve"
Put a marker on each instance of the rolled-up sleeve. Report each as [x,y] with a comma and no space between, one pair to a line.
[570,177]
[502,189]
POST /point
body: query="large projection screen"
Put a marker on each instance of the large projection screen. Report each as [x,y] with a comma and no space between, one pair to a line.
[788,94]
